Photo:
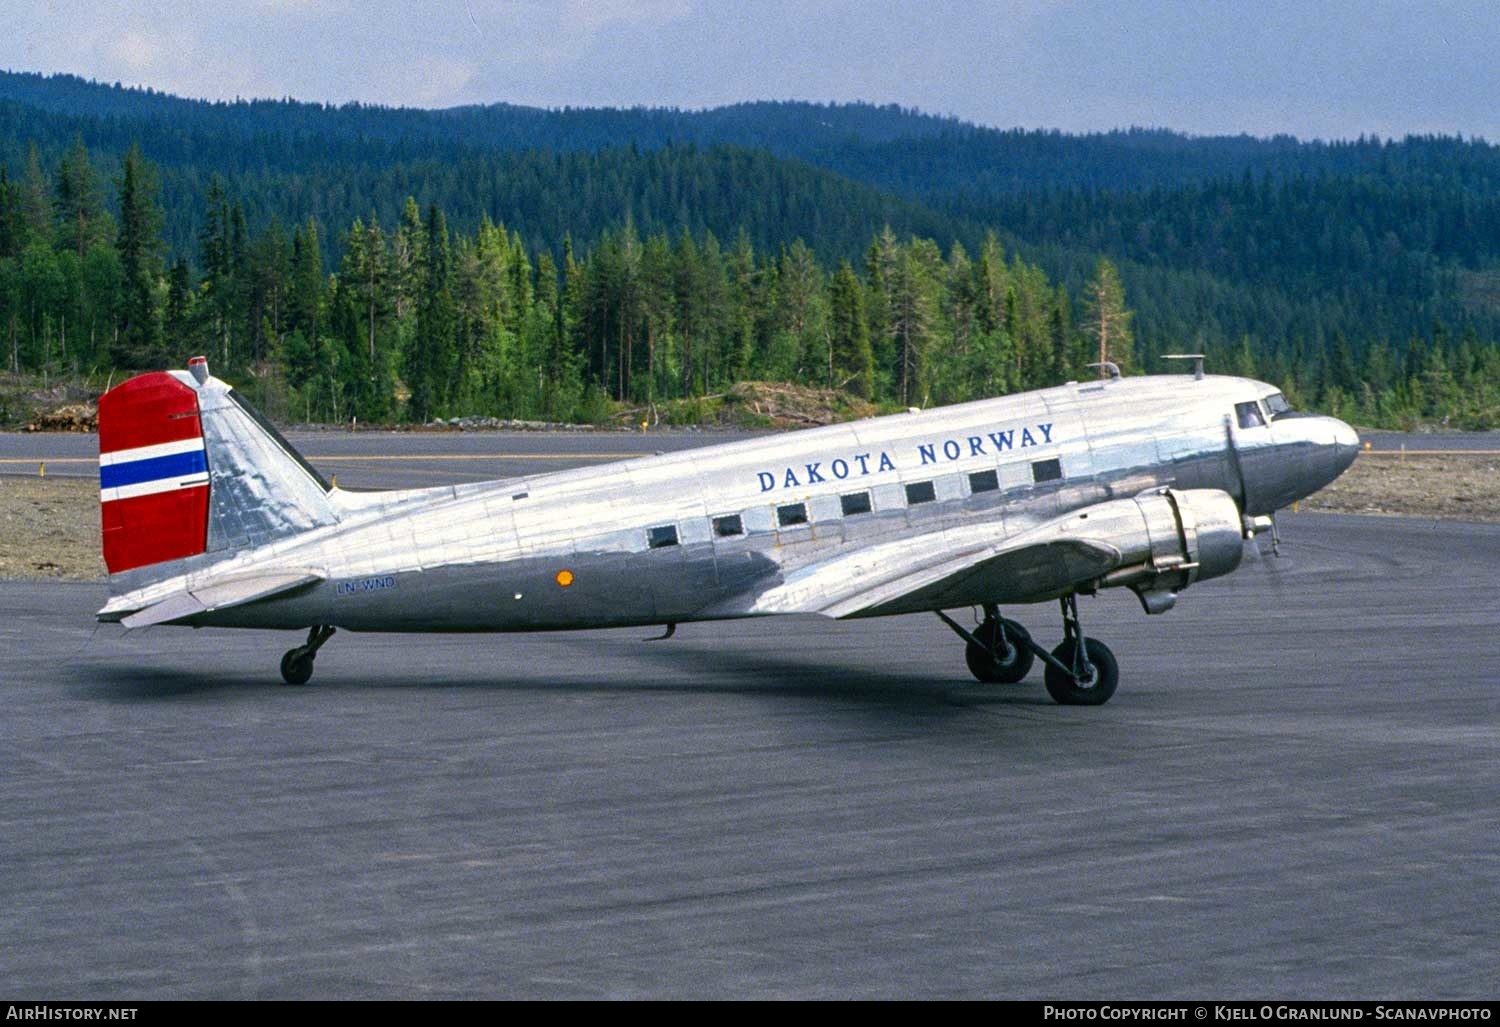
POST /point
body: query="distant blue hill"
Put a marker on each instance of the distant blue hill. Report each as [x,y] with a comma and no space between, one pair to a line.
[1280,239]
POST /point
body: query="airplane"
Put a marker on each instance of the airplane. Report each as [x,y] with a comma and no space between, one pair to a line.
[1151,483]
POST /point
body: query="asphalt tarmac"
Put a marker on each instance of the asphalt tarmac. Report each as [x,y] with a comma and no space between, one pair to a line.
[1293,794]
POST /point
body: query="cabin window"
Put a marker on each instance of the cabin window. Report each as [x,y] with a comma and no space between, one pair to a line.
[729,524]
[1046,470]
[661,537]
[855,503]
[1248,414]
[984,481]
[920,492]
[792,513]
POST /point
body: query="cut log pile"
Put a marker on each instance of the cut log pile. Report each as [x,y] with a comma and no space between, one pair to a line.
[82,417]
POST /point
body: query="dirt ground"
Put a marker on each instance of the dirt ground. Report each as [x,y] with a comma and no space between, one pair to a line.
[1462,487]
[49,527]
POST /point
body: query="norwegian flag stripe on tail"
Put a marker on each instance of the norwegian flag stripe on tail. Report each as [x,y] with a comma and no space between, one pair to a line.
[153,473]
[126,478]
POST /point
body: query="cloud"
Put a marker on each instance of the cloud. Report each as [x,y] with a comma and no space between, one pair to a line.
[1331,69]
[136,51]
[590,16]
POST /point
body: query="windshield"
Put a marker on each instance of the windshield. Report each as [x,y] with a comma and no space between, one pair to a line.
[1248,414]
[1278,405]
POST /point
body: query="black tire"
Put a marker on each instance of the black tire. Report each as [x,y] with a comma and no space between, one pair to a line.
[297,666]
[992,671]
[1068,692]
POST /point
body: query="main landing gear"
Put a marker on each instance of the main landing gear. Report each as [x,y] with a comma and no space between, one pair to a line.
[1081,671]
[297,664]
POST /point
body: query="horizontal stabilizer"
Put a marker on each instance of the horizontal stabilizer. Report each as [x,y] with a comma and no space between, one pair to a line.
[219,595]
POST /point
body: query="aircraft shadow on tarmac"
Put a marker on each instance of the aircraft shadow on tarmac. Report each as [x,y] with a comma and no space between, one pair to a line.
[676,669]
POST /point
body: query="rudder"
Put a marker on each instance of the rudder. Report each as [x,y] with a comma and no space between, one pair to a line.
[153,473]
[189,473]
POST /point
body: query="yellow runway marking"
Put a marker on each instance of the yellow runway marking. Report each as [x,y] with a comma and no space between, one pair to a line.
[49,460]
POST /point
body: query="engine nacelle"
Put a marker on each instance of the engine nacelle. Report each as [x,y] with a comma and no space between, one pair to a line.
[1190,535]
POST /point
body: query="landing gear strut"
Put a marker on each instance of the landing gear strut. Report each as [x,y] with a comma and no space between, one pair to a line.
[998,651]
[1082,671]
[297,664]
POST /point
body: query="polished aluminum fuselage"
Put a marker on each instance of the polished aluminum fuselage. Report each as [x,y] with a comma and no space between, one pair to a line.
[571,549]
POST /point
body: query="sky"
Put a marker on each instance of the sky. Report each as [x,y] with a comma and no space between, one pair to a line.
[1330,69]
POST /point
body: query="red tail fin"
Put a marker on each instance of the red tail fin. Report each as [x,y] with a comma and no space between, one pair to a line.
[153,472]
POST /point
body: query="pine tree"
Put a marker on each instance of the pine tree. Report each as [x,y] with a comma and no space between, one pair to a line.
[81,222]
[140,263]
[430,359]
[1106,318]
[35,206]
[851,364]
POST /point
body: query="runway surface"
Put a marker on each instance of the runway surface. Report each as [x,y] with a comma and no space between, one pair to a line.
[1293,794]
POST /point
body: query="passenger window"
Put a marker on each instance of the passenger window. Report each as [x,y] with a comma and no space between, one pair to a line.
[984,481]
[729,524]
[661,537]
[1249,415]
[855,503]
[920,492]
[1046,470]
[792,513]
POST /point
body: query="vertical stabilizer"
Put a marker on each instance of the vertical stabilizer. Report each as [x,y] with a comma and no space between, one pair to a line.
[190,473]
[153,473]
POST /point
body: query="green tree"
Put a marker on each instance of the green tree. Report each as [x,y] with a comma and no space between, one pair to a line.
[79,205]
[851,363]
[1106,318]
[430,359]
[140,246]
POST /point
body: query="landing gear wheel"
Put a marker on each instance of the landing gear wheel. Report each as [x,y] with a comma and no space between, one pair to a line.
[995,669]
[1098,681]
[297,666]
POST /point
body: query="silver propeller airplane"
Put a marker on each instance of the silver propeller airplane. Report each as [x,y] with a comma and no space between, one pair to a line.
[211,519]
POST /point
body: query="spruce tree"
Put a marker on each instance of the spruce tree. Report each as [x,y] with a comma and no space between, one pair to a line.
[851,364]
[140,247]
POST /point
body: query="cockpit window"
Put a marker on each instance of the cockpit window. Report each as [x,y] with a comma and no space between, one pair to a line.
[1249,415]
[1278,405]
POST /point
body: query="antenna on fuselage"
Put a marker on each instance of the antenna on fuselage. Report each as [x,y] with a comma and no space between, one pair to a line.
[1196,358]
[1108,365]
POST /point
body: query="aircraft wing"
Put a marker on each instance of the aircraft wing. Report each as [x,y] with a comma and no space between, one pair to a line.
[219,595]
[946,569]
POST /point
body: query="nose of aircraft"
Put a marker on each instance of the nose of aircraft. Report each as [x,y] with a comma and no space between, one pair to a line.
[1306,453]
[1345,446]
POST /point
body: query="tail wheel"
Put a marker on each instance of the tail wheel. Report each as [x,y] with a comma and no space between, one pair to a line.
[992,669]
[1097,684]
[297,666]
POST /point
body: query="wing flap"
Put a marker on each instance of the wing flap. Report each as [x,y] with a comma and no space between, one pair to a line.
[219,595]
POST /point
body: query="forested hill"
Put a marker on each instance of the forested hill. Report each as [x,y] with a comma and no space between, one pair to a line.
[1334,263]
[920,154]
